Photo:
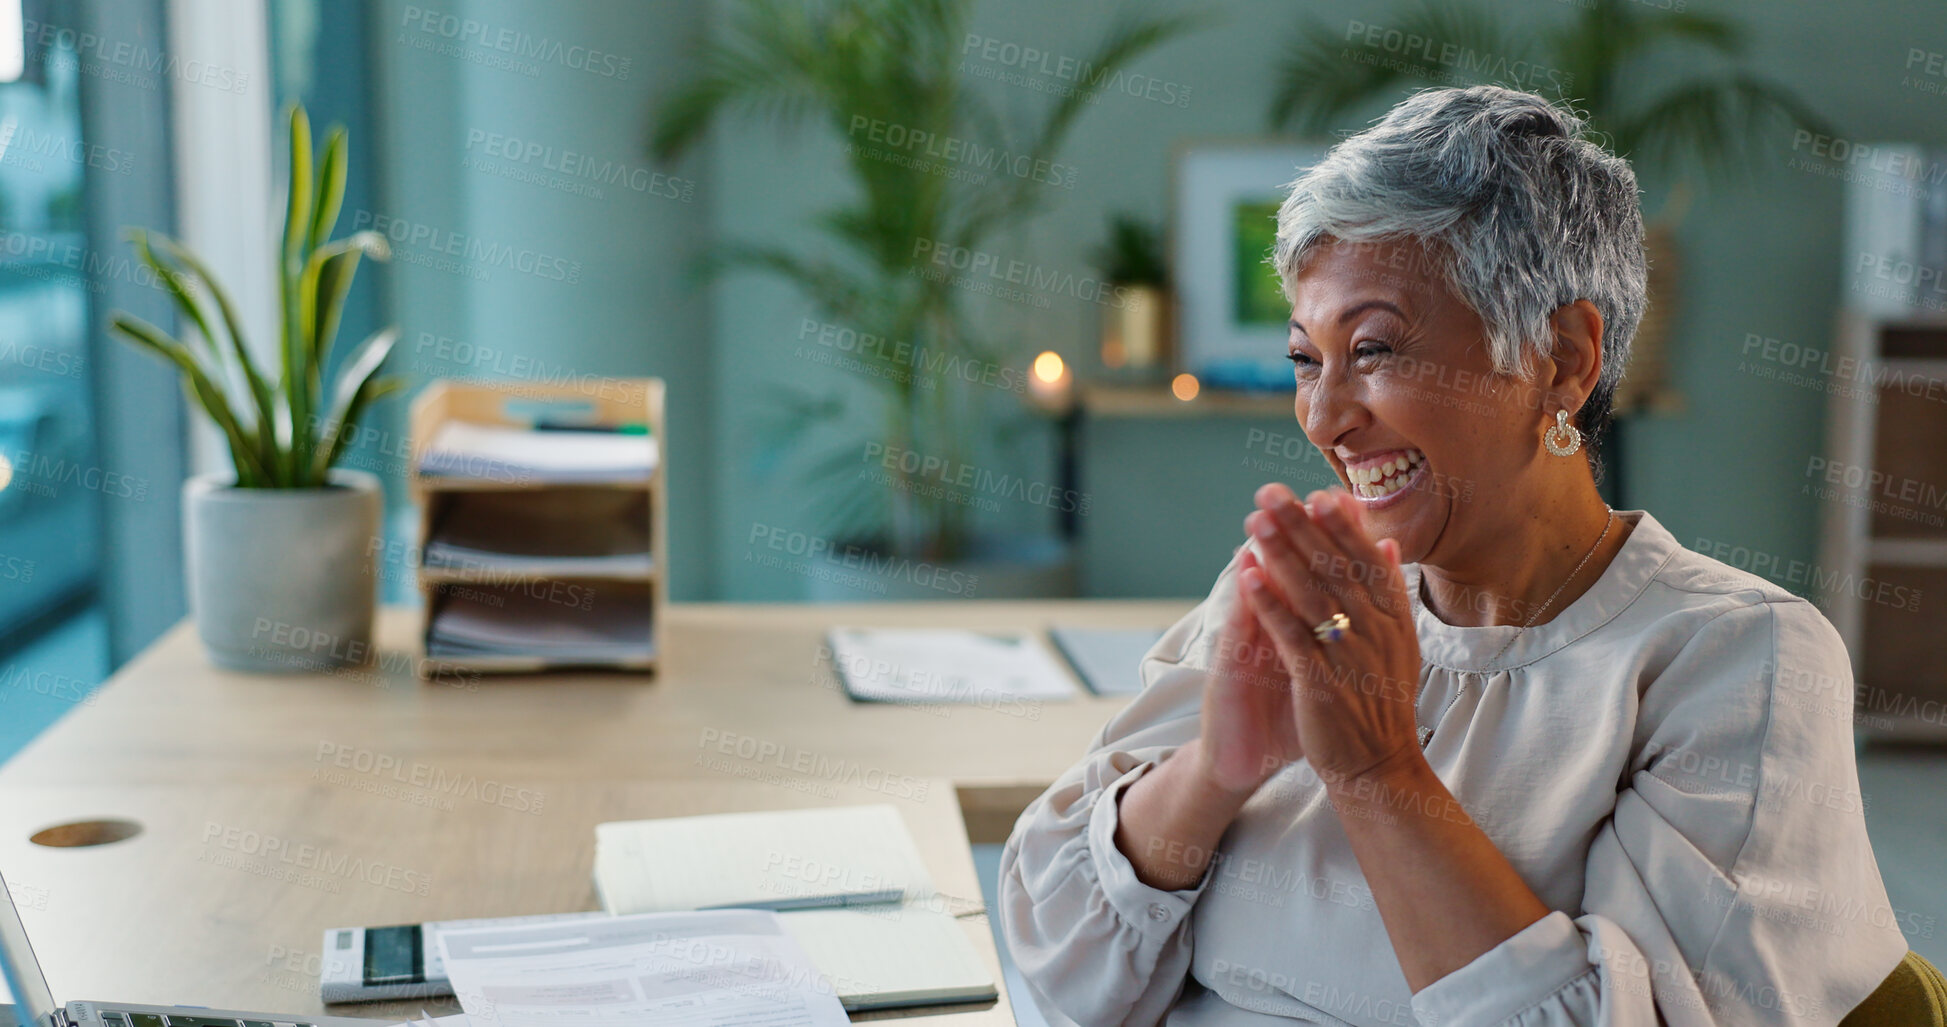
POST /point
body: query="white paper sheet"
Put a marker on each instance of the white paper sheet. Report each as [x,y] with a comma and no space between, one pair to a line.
[945,665]
[726,968]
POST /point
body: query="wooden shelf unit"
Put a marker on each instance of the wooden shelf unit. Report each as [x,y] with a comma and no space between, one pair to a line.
[600,401]
[1883,536]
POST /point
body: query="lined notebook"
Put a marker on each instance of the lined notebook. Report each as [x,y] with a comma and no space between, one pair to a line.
[848,882]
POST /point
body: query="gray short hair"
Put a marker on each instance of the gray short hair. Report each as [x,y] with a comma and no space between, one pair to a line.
[1528,216]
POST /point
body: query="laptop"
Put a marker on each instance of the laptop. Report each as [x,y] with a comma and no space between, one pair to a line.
[34,1003]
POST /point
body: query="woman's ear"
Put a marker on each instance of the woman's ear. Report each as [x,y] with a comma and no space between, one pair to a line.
[1577,361]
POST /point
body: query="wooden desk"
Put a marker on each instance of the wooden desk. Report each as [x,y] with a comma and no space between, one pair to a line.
[225,895]
[746,714]
[747,691]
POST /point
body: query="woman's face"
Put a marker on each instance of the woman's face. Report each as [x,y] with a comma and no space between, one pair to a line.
[1395,387]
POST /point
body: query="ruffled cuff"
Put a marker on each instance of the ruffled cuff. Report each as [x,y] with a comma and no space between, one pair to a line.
[1152,911]
[1528,969]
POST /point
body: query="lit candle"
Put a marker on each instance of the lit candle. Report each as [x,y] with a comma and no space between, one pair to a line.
[1050,381]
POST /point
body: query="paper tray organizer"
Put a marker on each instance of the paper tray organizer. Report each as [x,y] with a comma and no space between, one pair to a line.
[573,602]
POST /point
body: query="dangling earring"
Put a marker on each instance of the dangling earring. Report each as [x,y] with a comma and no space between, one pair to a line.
[1563,439]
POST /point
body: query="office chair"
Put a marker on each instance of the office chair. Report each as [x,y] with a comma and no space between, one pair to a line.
[1913,995]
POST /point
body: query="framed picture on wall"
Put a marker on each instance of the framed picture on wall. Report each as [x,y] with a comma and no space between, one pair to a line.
[1231,311]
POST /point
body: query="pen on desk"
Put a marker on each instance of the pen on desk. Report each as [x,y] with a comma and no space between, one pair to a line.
[627,428]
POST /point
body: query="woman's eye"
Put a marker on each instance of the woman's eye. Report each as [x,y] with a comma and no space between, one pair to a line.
[1374,349]
[1300,359]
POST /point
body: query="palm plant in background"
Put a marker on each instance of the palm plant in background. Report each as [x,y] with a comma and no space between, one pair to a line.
[1628,68]
[892,64]
[1614,61]
[286,433]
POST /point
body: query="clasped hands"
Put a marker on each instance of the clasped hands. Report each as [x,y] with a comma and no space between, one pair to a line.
[1278,693]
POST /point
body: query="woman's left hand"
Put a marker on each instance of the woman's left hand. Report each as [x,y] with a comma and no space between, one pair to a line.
[1355,698]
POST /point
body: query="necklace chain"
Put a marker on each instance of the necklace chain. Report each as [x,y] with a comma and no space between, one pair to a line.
[1426,733]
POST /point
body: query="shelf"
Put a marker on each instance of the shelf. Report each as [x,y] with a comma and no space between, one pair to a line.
[430,576]
[440,483]
[1908,552]
[1157,402]
[497,598]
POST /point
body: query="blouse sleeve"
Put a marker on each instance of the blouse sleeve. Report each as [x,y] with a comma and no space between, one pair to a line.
[1734,882]
[1095,944]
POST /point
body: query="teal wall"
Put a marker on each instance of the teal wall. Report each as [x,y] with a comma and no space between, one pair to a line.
[1167,497]
[596,240]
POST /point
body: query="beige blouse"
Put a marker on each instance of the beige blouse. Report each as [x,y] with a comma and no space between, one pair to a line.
[1668,763]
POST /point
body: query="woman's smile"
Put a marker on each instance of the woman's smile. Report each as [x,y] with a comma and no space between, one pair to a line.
[1382,479]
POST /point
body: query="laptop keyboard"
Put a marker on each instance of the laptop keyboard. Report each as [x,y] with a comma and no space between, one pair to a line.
[117,1018]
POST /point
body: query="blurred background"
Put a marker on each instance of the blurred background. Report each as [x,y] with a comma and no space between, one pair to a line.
[955,299]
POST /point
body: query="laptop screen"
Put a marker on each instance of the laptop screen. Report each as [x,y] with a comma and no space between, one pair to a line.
[22,971]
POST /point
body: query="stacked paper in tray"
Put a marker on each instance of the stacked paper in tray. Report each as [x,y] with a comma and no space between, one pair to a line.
[462,449]
[849,882]
[556,622]
[590,532]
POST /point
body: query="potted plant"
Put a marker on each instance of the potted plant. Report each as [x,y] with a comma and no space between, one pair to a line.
[1136,334]
[278,548]
[879,73]
[1659,86]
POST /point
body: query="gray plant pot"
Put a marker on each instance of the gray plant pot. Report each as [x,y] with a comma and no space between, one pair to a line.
[282,579]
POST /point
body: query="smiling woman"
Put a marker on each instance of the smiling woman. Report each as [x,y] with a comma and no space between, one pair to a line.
[1461,745]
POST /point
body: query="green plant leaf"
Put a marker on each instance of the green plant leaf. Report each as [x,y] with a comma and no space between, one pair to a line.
[1320,80]
[351,384]
[327,280]
[260,390]
[295,375]
[331,190]
[211,398]
[1721,122]
[368,392]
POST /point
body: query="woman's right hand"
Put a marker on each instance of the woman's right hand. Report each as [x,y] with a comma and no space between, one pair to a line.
[1250,723]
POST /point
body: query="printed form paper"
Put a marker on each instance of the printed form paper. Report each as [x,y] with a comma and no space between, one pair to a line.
[724,968]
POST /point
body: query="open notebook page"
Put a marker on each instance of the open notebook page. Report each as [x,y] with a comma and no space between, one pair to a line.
[783,859]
